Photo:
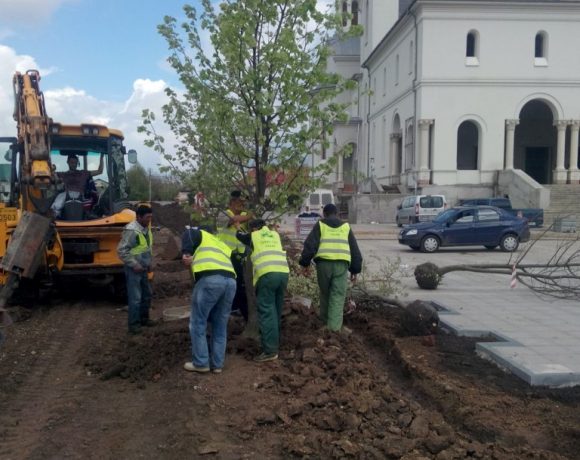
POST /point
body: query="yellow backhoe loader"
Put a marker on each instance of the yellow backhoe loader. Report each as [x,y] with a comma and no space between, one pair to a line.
[64,197]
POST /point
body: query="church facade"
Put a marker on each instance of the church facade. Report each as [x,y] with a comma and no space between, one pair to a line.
[460,93]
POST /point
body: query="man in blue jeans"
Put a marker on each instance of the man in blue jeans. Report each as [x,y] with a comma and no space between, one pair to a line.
[211,300]
[135,250]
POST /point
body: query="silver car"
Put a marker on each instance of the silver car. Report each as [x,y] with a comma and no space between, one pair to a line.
[420,208]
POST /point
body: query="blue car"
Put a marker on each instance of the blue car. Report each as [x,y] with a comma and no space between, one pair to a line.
[468,226]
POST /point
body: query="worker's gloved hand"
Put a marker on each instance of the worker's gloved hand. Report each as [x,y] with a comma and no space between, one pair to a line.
[186,259]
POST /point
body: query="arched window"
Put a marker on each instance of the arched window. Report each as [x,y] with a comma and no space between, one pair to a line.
[540,45]
[354,11]
[467,146]
[471,44]
[344,14]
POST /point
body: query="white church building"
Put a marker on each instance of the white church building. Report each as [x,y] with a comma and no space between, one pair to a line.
[461,96]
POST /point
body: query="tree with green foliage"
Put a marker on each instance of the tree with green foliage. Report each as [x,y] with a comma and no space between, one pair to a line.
[138,181]
[141,184]
[258,104]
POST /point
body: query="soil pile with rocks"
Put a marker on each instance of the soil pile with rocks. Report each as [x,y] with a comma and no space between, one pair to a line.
[327,395]
[171,216]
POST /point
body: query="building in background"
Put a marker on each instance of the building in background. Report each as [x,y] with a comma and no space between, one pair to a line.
[461,93]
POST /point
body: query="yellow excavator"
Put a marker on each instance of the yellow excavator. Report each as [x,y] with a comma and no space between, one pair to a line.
[64,197]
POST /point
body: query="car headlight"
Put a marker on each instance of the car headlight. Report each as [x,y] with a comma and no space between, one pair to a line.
[413,231]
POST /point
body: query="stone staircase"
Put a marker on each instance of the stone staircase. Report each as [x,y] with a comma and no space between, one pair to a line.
[564,202]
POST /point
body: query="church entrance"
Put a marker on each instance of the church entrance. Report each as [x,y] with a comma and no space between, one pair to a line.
[537,163]
[535,141]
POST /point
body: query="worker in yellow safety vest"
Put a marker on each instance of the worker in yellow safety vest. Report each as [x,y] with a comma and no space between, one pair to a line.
[334,249]
[270,269]
[238,217]
[211,300]
[135,250]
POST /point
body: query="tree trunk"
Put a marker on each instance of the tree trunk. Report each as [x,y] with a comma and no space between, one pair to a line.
[252,329]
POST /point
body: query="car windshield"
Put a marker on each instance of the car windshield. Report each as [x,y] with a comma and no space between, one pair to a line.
[444,216]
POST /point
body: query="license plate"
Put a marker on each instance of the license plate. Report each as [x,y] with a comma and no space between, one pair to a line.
[8,214]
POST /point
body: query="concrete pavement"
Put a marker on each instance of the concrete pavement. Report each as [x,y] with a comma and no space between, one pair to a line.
[538,338]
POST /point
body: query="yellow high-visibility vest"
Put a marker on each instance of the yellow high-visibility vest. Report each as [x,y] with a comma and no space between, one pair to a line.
[267,255]
[142,244]
[334,243]
[211,254]
[228,234]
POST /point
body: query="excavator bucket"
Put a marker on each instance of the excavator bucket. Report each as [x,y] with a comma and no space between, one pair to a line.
[26,246]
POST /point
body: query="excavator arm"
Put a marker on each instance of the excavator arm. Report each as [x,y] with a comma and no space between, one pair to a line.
[34,238]
[37,179]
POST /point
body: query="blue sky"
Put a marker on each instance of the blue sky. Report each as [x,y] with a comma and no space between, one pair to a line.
[101,46]
[101,61]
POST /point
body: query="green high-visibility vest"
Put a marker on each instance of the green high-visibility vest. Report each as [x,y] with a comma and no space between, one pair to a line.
[267,255]
[211,254]
[228,234]
[142,244]
[334,242]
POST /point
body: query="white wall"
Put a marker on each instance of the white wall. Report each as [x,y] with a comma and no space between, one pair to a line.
[377,18]
[505,79]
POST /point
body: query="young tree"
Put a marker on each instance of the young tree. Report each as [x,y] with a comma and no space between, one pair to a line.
[257,104]
[138,180]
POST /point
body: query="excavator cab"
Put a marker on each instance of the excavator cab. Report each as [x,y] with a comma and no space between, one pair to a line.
[91,172]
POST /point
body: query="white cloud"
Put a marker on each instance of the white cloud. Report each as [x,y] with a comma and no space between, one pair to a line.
[72,105]
[29,11]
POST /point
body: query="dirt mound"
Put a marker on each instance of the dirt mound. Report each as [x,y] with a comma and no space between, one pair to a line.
[171,216]
[327,396]
[171,279]
[145,357]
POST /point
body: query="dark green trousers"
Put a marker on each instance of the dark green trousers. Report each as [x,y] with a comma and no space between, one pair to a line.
[332,281]
[270,290]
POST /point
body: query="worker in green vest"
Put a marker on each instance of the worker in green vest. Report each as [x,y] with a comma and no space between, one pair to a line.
[333,247]
[238,217]
[135,250]
[211,300]
[270,269]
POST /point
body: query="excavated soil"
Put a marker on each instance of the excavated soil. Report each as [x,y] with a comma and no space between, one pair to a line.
[74,385]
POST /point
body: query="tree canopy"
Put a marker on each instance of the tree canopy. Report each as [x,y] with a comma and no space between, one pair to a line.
[257,99]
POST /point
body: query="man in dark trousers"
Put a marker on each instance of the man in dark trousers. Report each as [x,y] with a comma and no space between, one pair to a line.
[135,250]
[211,300]
[335,251]
[270,280]
[238,218]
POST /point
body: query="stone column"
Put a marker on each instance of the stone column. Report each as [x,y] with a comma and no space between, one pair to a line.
[574,173]
[560,173]
[424,126]
[394,138]
[510,126]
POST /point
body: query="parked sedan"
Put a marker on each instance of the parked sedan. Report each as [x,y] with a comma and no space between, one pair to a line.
[468,226]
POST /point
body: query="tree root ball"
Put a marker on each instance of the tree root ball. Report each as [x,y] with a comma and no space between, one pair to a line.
[428,276]
[421,319]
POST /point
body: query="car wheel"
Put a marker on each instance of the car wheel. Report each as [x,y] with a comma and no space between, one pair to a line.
[399,224]
[429,244]
[509,243]
[415,248]
[490,247]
